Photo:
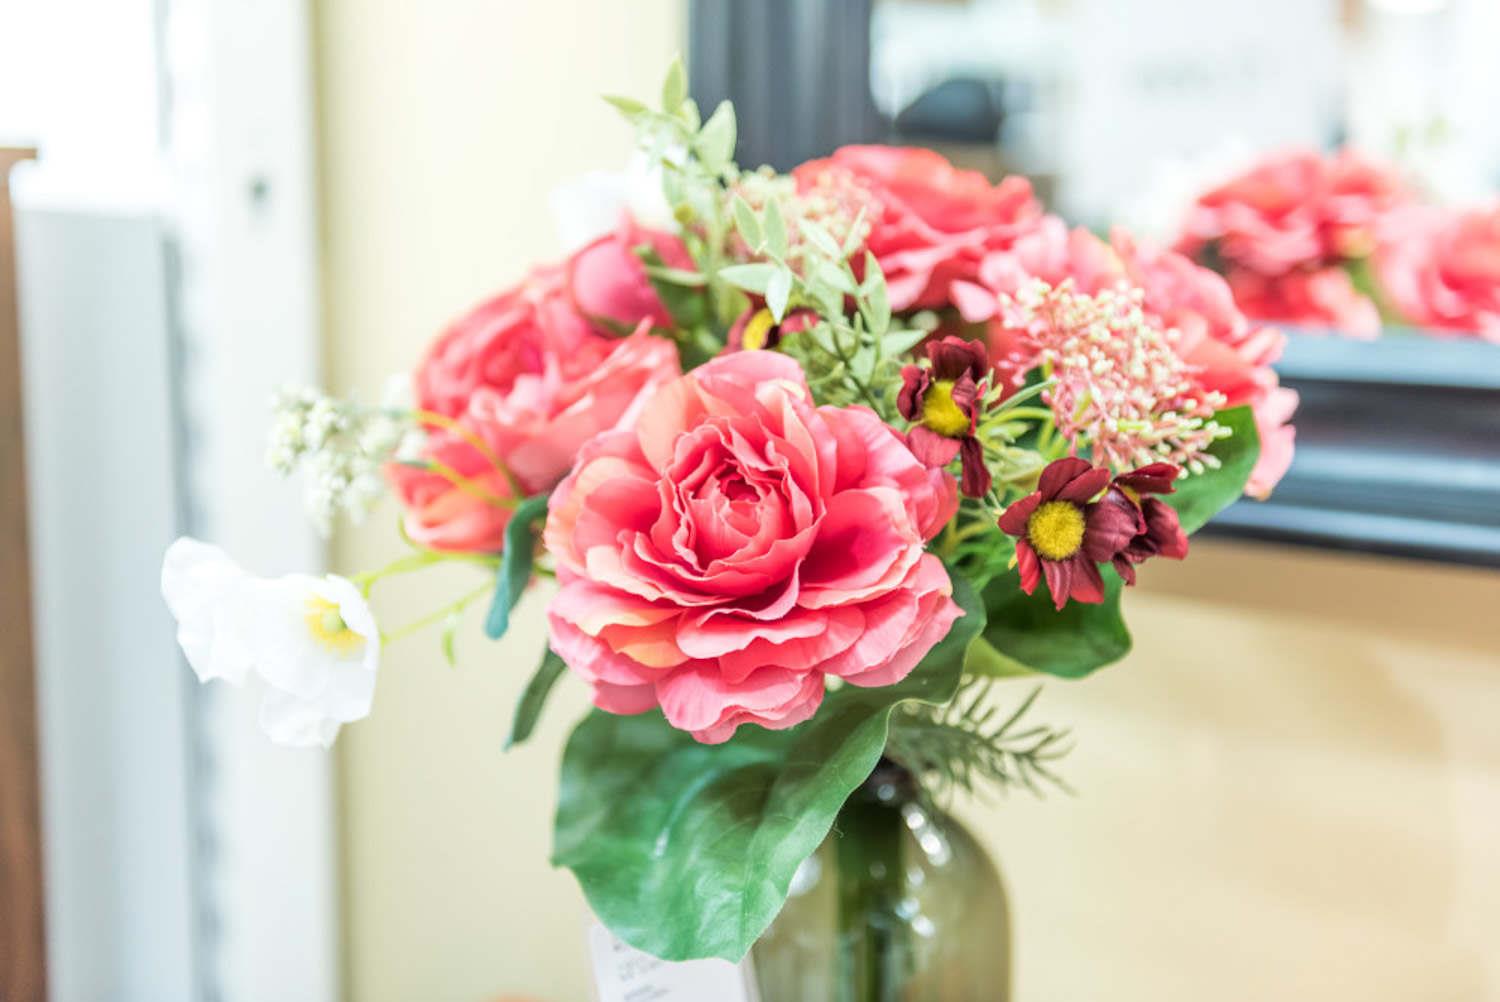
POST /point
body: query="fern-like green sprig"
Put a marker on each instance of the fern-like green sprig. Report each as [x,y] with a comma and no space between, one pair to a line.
[962,747]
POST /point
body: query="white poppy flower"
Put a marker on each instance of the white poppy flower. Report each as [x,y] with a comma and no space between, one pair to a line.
[311,640]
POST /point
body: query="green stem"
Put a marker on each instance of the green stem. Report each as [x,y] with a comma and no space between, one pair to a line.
[437,615]
[872,953]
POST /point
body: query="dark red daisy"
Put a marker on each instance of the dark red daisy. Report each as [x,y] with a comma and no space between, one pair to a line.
[1062,534]
[757,328]
[1158,534]
[942,400]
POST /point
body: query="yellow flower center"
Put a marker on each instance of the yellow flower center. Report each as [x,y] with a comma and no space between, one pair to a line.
[758,330]
[329,629]
[941,414]
[1055,530]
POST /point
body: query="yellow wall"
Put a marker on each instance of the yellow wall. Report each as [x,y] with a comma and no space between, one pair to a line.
[1291,790]
[445,123]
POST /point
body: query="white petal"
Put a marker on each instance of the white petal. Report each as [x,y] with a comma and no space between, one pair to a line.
[199,582]
[296,723]
[291,659]
[587,207]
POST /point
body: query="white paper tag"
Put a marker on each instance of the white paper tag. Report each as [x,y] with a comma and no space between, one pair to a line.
[624,974]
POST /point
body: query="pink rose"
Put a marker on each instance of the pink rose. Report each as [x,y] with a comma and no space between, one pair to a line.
[609,281]
[1229,354]
[442,513]
[1321,297]
[1296,209]
[1285,228]
[930,222]
[1442,269]
[738,545]
[530,376]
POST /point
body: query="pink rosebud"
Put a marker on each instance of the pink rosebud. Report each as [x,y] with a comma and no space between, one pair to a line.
[609,282]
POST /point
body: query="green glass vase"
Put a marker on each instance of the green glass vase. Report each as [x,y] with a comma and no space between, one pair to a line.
[899,904]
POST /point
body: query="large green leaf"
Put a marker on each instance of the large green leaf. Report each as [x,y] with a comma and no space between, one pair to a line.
[686,850]
[1069,643]
[515,564]
[1200,497]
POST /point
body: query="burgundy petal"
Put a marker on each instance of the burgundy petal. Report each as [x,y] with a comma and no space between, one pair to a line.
[1154,478]
[1013,520]
[1029,565]
[1083,487]
[914,382]
[1058,474]
[1109,528]
[1059,574]
[976,476]
[1087,583]
[952,357]
[1164,530]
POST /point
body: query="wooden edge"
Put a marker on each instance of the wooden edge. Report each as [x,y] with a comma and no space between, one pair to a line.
[23,962]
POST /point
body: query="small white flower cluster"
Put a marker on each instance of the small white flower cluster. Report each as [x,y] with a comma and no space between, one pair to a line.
[1119,385]
[340,446]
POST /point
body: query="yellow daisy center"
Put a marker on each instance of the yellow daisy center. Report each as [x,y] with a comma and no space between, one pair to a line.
[941,414]
[1055,530]
[329,629]
[758,330]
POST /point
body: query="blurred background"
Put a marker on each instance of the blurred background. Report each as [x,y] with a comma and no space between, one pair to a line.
[1291,787]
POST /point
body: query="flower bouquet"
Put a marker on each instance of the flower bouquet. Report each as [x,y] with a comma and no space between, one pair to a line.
[812,460]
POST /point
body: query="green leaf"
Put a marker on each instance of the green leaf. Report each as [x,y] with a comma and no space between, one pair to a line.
[686,850]
[854,238]
[753,277]
[778,291]
[775,230]
[1069,643]
[450,629]
[899,342]
[515,564]
[746,223]
[529,707]
[835,277]
[715,143]
[627,106]
[982,659]
[1201,496]
[821,239]
[681,292]
[674,88]
[878,310]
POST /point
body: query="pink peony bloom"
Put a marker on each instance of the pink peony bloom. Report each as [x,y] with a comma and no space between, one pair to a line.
[530,376]
[461,509]
[1321,297]
[1442,270]
[609,283]
[930,223]
[1224,352]
[1285,228]
[738,545]
[1296,209]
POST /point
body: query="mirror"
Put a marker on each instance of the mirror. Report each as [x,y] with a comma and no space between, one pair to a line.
[1336,161]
